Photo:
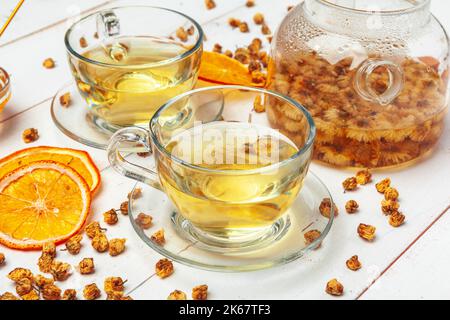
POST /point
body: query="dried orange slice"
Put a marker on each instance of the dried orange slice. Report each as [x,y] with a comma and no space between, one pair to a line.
[78,160]
[40,202]
[219,68]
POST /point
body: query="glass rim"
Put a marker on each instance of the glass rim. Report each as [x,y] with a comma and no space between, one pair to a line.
[5,86]
[307,145]
[415,8]
[175,59]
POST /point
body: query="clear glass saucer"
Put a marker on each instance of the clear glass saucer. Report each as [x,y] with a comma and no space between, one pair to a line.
[286,246]
[77,123]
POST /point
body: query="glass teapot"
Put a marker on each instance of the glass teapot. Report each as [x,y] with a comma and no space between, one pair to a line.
[374,75]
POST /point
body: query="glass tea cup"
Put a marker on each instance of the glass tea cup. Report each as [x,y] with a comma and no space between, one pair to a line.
[230,172]
[128,61]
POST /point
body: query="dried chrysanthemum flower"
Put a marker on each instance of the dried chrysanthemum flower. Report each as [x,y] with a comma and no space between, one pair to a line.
[217,48]
[250,3]
[114,284]
[258,77]
[69,294]
[114,295]
[383,185]
[350,184]
[24,286]
[91,292]
[30,135]
[73,245]
[158,237]
[164,268]
[100,242]
[110,217]
[200,292]
[265,29]
[242,55]
[312,236]
[124,208]
[92,229]
[65,100]
[254,66]
[228,53]
[325,208]
[353,263]
[45,263]
[8,296]
[182,34]
[177,295]
[367,232]
[135,194]
[389,206]
[86,266]
[233,22]
[210,4]
[42,281]
[49,248]
[391,194]
[334,288]
[2,259]
[20,273]
[33,295]
[258,106]
[83,42]
[397,219]
[60,270]
[51,292]
[243,27]
[48,63]
[116,247]
[144,220]
[351,206]
[258,18]
[363,177]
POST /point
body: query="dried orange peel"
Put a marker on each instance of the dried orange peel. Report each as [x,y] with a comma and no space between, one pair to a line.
[221,69]
[41,202]
[78,160]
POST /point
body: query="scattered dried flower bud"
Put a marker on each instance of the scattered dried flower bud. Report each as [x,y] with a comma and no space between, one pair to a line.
[242,55]
[243,27]
[91,292]
[258,77]
[210,4]
[135,194]
[351,206]
[49,63]
[389,206]
[49,248]
[391,194]
[350,184]
[258,18]
[363,177]
[69,294]
[65,100]
[397,219]
[334,288]
[265,29]
[177,295]
[258,106]
[124,208]
[8,296]
[42,281]
[20,273]
[325,208]
[73,245]
[114,295]
[158,237]
[45,263]
[110,217]
[116,247]
[2,259]
[383,185]
[217,48]
[92,229]
[83,42]
[200,292]
[51,292]
[86,266]
[100,242]
[24,286]
[234,22]
[164,268]
[254,66]
[312,236]
[30,135]
[250,3]
[353,263]
[182,34]
[144,220]
[60,270]
[367,232]
[114,284]
[33,295]
[228,53]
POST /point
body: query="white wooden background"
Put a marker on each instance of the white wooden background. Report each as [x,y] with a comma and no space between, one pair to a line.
[410,262]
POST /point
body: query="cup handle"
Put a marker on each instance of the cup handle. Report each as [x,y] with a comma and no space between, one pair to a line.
[123,166]
[395,85]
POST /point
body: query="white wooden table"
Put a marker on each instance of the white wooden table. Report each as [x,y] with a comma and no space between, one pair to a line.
[410,262]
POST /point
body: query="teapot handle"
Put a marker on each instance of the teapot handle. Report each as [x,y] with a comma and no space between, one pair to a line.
[395,84]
